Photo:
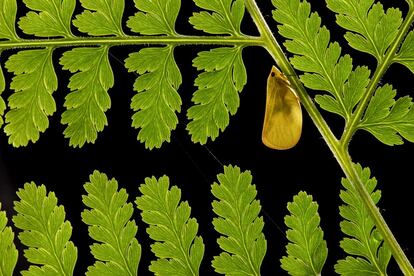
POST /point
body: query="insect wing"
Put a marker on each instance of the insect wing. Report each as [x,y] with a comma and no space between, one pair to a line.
[282,125]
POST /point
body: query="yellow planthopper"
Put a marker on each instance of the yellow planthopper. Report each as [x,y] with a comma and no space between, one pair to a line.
[282,124]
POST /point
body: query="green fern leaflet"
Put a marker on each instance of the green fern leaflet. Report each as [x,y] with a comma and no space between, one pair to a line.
[101,17]
[389,120]
[32,102]
[88,101]
[157,99]
[8,251]
[109,219]
[368,253]
[242,240]
[48,18]
[178,248]
[370,28]
[405,56]
[45,232]
[306,249]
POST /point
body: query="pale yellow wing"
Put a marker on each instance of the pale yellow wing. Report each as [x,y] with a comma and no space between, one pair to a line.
[282,125]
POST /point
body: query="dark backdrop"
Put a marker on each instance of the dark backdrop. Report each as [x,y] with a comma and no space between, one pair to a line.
[278,175]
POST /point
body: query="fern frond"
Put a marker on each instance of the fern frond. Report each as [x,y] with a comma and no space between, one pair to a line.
[225,16]
[242,238]
[101,17]
[178,249]
[218,92]
[157,99]
[53,18]
[307,250]
[372,30]
[325,69]
[388,119]
[110,223]
[369,254]
[45,232]
[405,56]
[88,101]
[32,102]
[8,251]
[155,18]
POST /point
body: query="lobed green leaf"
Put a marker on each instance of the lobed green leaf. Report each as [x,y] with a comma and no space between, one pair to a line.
[8,10]
[157,100]
[242,238]
[101,17]
[388,119]
[46,233]
[225,16]
[217,94]
[351,93]
[371,29]
[155,17]
[307,250]
[8,251]
[178,249]
[325,68]
[369,254]
[53,18]
[32,102]
[89,99]
[405,56]
[109,219]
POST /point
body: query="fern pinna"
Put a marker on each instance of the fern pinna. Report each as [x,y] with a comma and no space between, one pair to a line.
[91,28]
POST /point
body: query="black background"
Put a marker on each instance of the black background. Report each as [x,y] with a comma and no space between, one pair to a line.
[278,175]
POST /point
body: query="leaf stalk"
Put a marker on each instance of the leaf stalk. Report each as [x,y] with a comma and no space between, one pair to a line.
[132,40]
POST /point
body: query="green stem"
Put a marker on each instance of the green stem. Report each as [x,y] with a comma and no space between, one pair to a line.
[352,125]
[132,40]
[340,153]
